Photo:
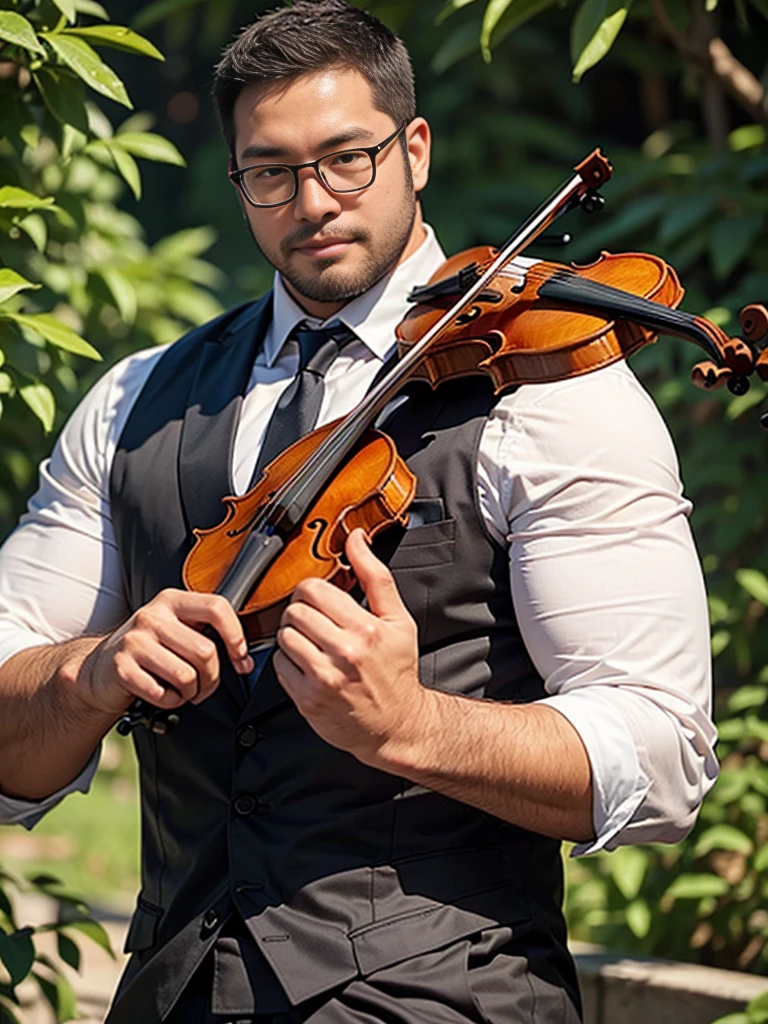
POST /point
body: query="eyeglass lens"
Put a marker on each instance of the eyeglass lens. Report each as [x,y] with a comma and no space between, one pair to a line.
[342,172]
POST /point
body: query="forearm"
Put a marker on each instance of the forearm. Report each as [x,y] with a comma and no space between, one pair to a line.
[48,731]
[524,763]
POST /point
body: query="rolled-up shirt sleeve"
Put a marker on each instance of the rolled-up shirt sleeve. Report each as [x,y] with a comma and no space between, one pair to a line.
[60,575]
[608,592]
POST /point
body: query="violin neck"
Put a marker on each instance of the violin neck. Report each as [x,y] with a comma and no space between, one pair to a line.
[569,289]
[292,504]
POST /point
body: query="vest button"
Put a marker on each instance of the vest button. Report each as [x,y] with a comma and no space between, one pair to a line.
[245,805]
[247,736]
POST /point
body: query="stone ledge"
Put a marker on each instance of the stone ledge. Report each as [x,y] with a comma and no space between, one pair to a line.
[630,991]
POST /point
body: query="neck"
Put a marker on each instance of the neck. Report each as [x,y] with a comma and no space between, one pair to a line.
[324,310]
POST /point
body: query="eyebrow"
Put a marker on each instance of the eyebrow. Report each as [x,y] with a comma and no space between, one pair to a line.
[256,152]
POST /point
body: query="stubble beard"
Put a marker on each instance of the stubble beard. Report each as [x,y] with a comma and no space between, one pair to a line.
[380,257]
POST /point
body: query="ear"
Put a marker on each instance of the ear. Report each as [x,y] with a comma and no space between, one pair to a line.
[419,140]
[230,168]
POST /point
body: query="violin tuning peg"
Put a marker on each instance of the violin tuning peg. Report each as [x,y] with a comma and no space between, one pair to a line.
[737,384]
[592,201]
[754,322]
[739,357]
[761,366]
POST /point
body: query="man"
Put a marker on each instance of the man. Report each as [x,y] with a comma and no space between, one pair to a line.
[365,827]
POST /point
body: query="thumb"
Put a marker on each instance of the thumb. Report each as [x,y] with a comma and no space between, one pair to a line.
[374,577]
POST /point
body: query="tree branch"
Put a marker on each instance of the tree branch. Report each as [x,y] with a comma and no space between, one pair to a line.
[713,56]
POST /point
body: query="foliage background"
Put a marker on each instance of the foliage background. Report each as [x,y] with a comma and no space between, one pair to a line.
[691,167]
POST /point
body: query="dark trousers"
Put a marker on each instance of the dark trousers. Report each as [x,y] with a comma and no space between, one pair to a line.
[494,977]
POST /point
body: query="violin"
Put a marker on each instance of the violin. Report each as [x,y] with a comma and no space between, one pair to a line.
[488,311]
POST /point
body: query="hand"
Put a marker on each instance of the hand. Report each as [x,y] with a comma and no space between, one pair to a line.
[353,672]
[161,655]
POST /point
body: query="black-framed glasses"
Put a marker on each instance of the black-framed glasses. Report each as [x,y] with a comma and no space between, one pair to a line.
[348,170]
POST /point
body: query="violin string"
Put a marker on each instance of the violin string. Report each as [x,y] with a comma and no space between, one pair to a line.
[539,273]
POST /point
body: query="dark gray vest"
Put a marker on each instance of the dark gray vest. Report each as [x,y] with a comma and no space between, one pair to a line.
[337,869]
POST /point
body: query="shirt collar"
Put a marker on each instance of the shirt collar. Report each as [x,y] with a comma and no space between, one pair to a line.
[373,315]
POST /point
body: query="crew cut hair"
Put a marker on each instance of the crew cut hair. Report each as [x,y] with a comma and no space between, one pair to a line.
[309,36]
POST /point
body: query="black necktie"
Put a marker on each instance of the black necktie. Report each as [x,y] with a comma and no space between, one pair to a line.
[299,405]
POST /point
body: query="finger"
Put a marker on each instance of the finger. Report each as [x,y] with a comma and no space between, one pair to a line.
[315,625]
[374,577]
[169,669]
[290,677]
[217,612]
[302,651]
[193,647]
[334,604]
[137,682]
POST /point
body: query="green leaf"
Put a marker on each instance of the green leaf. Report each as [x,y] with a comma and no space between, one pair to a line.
[761,858]
[628,866]
[761,6]
[450,8]
[722,837]
[695,887]
[56,333]
[117,36]
[755,584]
[720,641]
[128,168]
[757,1009]
[68,950]
[747,697]
[17,30]
[517,14]
[160,10]
[14,198]
[685,214]
[91,7]
[86,63]
[40,400]
[594,30]
[182,244]
[732,1018]
[60,995]
[638,915]
[122,291]
[747,136]
[732,240]
[491,18]
[64,96]
[95,932]
[17,953]
[67,8]
[148,146]
[11,283]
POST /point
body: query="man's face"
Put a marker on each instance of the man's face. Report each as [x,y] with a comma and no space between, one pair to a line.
[328,246]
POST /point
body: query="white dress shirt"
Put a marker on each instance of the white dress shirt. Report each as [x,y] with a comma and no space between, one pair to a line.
[579,479]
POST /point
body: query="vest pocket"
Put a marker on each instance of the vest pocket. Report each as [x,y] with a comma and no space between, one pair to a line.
[142,931]
[424,546]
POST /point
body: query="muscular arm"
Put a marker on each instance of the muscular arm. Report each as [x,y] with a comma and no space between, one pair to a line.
[47,732]
[523,763]
[580,480]
[353,674]
[56,703]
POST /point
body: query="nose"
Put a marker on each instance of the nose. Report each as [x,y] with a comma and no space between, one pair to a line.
[314,202]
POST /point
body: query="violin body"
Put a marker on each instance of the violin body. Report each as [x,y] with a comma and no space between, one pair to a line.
[516,336]
[485,311]
[372,490]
